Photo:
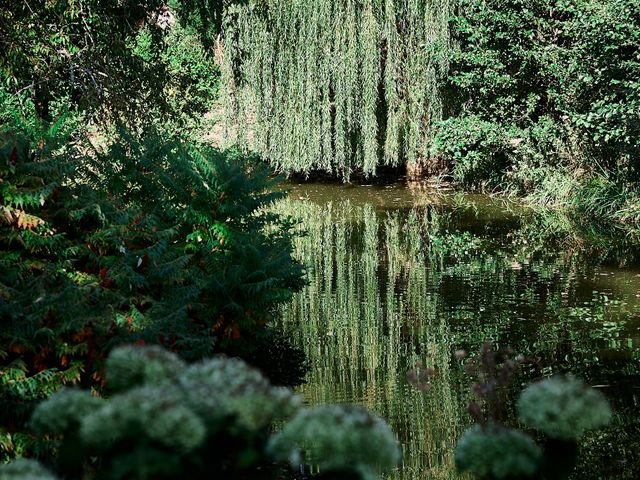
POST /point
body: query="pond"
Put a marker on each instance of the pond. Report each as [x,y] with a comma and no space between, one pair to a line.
[401,276]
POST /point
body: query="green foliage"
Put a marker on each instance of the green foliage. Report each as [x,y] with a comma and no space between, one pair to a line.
[192,222]
[536,96]
[212,418]
[563,407]
[339,86]
[549,92]
[134,61]
[33,261]
[76,51]
[603,75]
[205,16]
[475,147]
[112,234]
[340,440]
[190,75]
[145,240]
[193,72]
[495,452]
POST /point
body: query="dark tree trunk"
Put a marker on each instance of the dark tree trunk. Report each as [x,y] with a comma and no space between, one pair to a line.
[42,100]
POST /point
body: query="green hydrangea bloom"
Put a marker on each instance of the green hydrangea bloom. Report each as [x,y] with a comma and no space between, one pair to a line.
[157,413]
[563,407]
[228,387]
[162,412]
[24,469]
[495,452]
[180,410]
[131,366]
[63,411]
[338,438]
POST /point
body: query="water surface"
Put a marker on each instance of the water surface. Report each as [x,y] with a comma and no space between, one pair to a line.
[399,276]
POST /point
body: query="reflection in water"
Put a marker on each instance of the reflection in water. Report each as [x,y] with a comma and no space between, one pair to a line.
[395,280]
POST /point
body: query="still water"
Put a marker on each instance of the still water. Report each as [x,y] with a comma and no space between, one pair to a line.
[399,276]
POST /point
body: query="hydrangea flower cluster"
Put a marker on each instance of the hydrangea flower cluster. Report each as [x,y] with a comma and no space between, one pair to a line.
[172,420]
[161,403]
[495,452]
[229,387]
[338,439]
[154,413]
[24,469]
[563,407]
[131,366]
[64,411]
[162,399]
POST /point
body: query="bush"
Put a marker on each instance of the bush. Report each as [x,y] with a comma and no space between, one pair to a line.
[478,151]
[137,61]
[147,240]
[562,408]
[546,87]
[112,235]
[208,417]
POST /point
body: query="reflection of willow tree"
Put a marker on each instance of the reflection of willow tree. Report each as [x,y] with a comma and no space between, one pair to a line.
[352,325]
[389,289]
[338,85]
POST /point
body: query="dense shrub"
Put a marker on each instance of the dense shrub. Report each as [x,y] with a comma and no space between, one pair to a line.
[145,240]
[136,61]
[110,234]
[495,452]
[547,101]
[209,418]
[563,407]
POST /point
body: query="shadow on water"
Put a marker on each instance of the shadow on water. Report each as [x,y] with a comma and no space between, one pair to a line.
[398,276]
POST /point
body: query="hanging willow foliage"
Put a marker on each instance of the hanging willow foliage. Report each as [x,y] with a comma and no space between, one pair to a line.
[337,85]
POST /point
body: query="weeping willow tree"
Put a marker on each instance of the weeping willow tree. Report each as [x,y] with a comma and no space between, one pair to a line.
[337,85]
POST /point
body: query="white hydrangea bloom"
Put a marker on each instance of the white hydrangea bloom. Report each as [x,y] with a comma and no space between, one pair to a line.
[338,438]
[24,469]
[154,412]
[495,452]
[563,407]
[63,411]
[131,365]
[224,386]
